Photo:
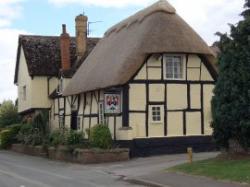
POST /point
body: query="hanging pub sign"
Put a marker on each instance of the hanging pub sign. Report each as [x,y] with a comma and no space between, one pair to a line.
[112,103]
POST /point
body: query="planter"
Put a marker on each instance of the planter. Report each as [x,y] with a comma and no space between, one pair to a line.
[29,150]
[61,153]
[90,156]
[83,156]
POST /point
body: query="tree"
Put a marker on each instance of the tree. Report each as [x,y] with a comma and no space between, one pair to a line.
[231,102]
[8,114]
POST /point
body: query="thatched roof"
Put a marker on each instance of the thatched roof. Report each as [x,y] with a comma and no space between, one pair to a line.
[42,54]
[122,51]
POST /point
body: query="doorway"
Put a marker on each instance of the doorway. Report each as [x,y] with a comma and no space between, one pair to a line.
[73,124]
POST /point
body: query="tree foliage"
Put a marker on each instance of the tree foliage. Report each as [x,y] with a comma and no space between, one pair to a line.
[8,114]
[231,103]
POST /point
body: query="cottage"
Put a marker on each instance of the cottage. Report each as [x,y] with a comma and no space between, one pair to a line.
[40,70]
[150,79]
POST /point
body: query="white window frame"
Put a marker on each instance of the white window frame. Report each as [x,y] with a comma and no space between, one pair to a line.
[152,115]
[165,67]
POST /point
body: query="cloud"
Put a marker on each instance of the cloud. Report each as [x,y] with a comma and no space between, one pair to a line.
[206,17]
[9,11]
[101,3]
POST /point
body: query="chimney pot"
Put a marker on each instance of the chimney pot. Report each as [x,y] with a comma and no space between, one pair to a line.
[63,28]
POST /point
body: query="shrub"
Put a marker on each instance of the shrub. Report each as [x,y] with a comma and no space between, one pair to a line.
[8,114]
[5,138]
[40,121]
[57,137]
[74,138]
[25,134]
[9,136]
[100,137]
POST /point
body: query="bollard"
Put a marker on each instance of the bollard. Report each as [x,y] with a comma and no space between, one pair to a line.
[190,154]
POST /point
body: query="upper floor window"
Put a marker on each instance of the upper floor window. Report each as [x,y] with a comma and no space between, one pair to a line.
[174,68]
[24,92]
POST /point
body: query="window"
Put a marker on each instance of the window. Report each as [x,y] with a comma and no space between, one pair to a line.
[173,67]
[101,113]
[24,92]
[156,113]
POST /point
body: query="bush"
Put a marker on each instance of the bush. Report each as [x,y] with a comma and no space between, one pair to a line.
[8,114]
[9,136]
[56,138]
[100,137]
[28,135]
[74,138]
[40,121]
[5,138]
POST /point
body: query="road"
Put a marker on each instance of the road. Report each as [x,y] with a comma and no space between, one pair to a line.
[17,170]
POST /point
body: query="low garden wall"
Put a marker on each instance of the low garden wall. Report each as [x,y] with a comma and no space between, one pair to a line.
[83,156]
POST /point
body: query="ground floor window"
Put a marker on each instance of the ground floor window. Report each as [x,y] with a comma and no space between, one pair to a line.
[156,113]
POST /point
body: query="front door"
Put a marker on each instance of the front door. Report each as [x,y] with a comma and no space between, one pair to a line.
[74,120]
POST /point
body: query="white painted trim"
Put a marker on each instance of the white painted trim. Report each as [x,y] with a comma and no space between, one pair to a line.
[183,69]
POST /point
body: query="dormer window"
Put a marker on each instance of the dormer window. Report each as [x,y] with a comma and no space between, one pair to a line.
[174,67]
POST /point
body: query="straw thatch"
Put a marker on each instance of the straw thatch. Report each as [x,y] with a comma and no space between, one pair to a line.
[123,50]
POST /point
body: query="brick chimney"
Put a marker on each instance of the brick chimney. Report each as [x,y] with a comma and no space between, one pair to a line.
[81,22]
[65,51]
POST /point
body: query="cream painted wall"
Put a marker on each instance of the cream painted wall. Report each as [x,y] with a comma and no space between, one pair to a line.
[53,83]
[142,75]
[175,123]
[193,123]
[176,96]
[137,97]
[207,95]
[156,92]
[205,75]
[195,96]
[36,88]
[23,80]
[137,123]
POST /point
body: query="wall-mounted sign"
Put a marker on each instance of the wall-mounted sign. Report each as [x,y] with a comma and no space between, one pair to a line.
[112,103]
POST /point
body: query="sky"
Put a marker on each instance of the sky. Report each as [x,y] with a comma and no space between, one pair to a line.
[45,17]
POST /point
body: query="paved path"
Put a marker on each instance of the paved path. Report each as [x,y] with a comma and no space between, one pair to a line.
[17,170]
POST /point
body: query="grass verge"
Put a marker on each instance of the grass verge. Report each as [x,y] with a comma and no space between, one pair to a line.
[223,169]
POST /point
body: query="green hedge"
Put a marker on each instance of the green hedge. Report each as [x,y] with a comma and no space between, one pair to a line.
[100,137]
[9,136]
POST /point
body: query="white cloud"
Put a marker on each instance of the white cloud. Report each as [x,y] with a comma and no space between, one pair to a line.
[206,17]
[9,11]
[101,3]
